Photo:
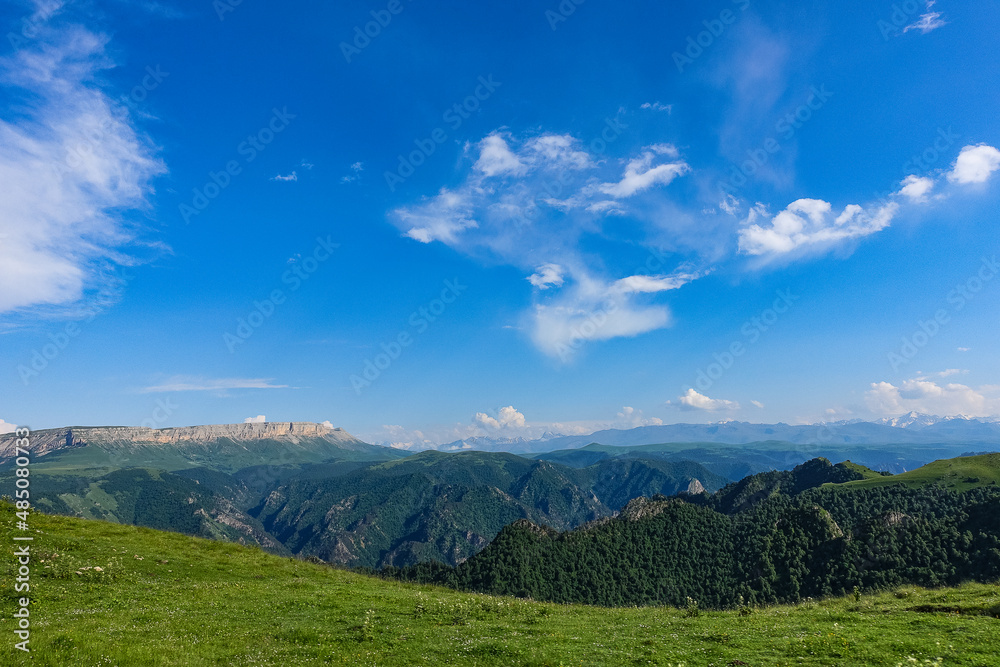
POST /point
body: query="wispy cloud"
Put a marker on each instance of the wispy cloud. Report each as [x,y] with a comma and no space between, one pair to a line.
[189,383]
[290,177]
[355,174]
[656,106]
[927,22]
[530,203]
[71,166]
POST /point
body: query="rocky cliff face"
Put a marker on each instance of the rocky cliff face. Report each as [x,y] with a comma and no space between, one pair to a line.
[43,442]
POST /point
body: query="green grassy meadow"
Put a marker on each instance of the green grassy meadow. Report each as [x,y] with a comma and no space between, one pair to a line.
[167,599]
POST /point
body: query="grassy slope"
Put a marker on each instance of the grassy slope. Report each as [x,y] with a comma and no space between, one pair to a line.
[198,602]
[959,473]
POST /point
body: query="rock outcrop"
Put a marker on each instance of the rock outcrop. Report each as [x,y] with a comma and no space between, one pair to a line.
[49,440]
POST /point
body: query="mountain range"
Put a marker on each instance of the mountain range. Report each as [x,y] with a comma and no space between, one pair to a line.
[914,428]
[314,490]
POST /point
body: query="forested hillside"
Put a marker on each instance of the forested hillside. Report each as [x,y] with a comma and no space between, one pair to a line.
[446,507]
[774,537]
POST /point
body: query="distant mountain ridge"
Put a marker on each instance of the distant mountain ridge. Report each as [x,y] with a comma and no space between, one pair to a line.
[51,440]
[912,428]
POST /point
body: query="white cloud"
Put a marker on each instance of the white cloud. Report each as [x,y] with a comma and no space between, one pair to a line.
[532,204]
[916,188]
[975,164]
[495,157]
[185,383]
[630,417]
[651,284]
[7,428]
[546,276]
[507,418]
[923,395]
[441,219]
[559,151]
[692,400]
[808,224]
[327,423]
[640,173]
[927,22]
[948,372]
[593,310]
[757,404]
[259,419]
[356,169]
[729,204]
[72,165]
[656,106]
[963,349]
[290,177]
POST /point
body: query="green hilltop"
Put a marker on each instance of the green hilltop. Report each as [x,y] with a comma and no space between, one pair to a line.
[962,473]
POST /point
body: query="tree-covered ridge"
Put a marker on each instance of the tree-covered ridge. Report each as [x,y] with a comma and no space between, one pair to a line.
[446,507]
[774,537]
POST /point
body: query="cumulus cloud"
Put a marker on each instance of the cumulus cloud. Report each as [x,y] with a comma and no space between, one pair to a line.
[495,157]
[916,188]
[546,276]
[7,428]
[327,423]
[290,177]
[692,400]
[809,224]
[72,164]
[507,418]
[924,395]
[975,164]
[187,383]
[259,419]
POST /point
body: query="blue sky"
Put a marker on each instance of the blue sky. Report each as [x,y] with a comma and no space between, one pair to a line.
[497,220]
